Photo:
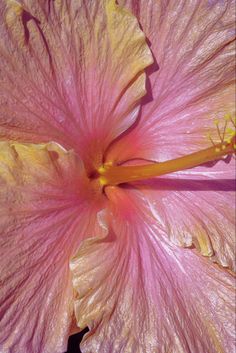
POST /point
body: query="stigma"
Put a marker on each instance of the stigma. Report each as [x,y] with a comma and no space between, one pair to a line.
[114,175]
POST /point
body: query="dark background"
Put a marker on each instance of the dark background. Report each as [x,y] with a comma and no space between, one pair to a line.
[74,341]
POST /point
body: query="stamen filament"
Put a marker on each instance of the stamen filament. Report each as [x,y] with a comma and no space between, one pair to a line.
[114,175]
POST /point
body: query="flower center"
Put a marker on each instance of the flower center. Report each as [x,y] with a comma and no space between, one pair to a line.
[115,175]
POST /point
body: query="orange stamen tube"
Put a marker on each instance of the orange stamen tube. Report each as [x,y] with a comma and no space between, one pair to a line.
[115,175]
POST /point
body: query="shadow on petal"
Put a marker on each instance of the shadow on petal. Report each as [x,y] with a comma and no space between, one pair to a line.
[74,341]
[187,184]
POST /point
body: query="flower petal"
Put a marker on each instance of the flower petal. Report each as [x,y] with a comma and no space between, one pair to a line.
[193,46]
[138,293]
[71,73]
[192,82]
[43,217]
[197,208]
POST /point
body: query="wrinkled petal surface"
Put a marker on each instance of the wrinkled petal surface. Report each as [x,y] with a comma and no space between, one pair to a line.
[45,211]
[71,72]
[139,293]
[191,82]
[197,208]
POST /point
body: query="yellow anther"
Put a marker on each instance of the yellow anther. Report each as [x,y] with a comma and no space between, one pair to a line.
[217,150]
[227,117]
[224,131]
[101,169]
[230,131]
[103,181]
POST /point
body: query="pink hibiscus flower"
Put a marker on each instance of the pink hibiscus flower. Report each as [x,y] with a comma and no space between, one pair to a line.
[93,230]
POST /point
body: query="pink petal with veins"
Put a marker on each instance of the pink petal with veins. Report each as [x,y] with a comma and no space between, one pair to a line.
[139,293]
[193,44]
[196,207]
[71,73]
[191,82]
[46,210]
